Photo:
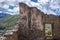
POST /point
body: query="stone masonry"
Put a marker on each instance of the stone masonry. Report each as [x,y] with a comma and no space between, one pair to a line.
[32,24]
[32,21]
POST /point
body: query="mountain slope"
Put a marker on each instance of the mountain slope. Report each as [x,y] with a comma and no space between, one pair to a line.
[3,15]
[8,21]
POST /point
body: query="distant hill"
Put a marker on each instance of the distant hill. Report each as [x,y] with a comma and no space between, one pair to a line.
[9,20]
[3,15]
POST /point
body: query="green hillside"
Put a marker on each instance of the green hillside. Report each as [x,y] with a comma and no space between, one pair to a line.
[8,21]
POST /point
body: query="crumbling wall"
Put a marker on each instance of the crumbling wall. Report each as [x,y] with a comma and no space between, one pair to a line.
[55,21]
[30,27]
[31,24]
[11,35]
[23,32]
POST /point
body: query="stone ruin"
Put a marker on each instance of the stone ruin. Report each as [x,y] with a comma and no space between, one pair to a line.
[32,24]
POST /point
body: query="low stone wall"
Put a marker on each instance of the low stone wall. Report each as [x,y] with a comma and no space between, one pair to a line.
[11,35]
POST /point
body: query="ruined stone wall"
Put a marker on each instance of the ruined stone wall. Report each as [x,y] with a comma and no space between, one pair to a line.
[23,32]
[30,27]
[11,36]
[55,21]
[36,24]
[31,24]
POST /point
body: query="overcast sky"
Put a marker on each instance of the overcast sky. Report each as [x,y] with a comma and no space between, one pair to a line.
[46,6]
